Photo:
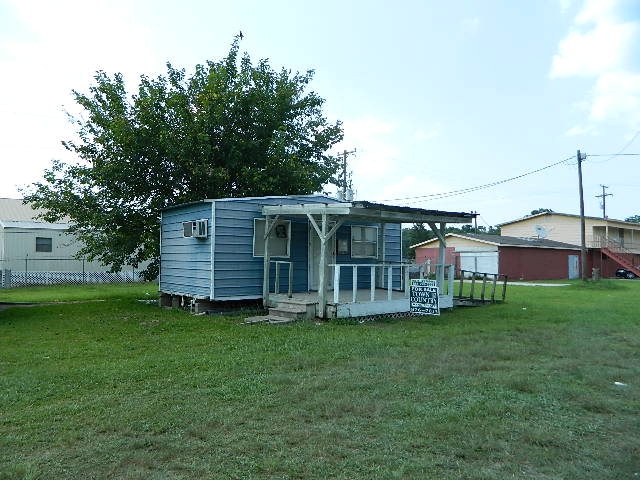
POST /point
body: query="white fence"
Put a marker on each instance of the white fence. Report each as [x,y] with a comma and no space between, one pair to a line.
[23,279]
[59,271]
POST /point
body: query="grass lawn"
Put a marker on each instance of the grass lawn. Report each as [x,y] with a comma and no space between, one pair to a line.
[123,389]
[70,293]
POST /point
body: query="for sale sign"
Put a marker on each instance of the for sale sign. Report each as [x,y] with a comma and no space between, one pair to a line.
[423,297]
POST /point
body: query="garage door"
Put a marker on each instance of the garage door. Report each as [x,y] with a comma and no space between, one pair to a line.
[481,262]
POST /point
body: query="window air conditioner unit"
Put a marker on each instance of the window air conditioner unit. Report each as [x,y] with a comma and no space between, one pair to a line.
[196,229]
[200,228]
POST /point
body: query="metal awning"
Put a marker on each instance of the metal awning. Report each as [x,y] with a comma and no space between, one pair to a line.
[370,212]
[321,214]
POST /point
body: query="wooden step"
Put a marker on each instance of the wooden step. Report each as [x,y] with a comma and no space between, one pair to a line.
[299,311]
[287,310]
[259,319]
[270,319]
[277,320]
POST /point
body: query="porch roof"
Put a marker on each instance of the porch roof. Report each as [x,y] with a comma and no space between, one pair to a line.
[370,212]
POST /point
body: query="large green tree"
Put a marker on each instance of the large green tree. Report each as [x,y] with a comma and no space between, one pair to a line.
[541,210]
[231,129]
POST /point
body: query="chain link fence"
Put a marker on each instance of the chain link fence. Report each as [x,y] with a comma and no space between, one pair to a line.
[60,271]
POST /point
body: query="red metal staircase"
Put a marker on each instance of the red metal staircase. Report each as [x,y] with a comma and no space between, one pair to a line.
[623,257]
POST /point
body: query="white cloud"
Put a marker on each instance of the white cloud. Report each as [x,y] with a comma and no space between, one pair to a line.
[598,10]
[603,48]
[61,45]
[389,162]
[579,130]
[601,44]
[565,5]
[617,97]
[376,153]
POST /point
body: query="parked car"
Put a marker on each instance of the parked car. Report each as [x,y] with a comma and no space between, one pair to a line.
[624,273]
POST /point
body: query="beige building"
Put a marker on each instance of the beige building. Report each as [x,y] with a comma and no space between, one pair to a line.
[563,227]
[33,251]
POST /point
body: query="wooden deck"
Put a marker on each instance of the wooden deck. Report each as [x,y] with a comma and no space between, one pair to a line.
[346,296]
[363,306]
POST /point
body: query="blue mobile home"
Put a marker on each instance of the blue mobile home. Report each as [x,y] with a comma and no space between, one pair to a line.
[219,250]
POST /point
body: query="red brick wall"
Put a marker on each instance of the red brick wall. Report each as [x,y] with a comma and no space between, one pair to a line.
[535,263]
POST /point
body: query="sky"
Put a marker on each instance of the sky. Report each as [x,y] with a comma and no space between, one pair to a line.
[437,98]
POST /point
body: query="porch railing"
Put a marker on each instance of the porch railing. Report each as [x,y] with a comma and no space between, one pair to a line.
[486,279]
[616,246]
[278,264]
[377,271]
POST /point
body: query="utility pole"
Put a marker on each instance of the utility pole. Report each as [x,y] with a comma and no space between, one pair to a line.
[344,172]
[604,200]
[583,242]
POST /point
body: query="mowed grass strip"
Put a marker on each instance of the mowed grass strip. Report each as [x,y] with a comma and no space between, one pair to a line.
[71,293]
[123,389]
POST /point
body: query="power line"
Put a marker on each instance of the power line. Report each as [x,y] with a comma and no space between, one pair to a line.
[477,187]
[619,154]
[613,155]
[485,222]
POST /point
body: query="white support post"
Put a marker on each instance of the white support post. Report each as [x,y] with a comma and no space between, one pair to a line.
[373,283]
[322,283]
[389,282]
[441,257]
[407,282]
[382,251]
[265,267]
[336,284]
[355,284]
[451,278]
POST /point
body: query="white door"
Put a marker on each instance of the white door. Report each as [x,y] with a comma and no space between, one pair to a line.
[314,257]
[481,262]
[574,267]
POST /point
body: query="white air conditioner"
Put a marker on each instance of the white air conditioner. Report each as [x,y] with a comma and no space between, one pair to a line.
[195,229]
[200,228]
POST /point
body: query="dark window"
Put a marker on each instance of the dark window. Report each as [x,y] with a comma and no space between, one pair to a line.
[364,242]
[279,240]
[44,244]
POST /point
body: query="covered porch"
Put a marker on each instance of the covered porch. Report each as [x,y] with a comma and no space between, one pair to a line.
[387,282]
[357,302]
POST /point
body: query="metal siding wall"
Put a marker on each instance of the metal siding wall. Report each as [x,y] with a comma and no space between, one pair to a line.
[20,243]
[185,261]
[393,249]
[393,253]
[346,274]
[237,273]
[535,263]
